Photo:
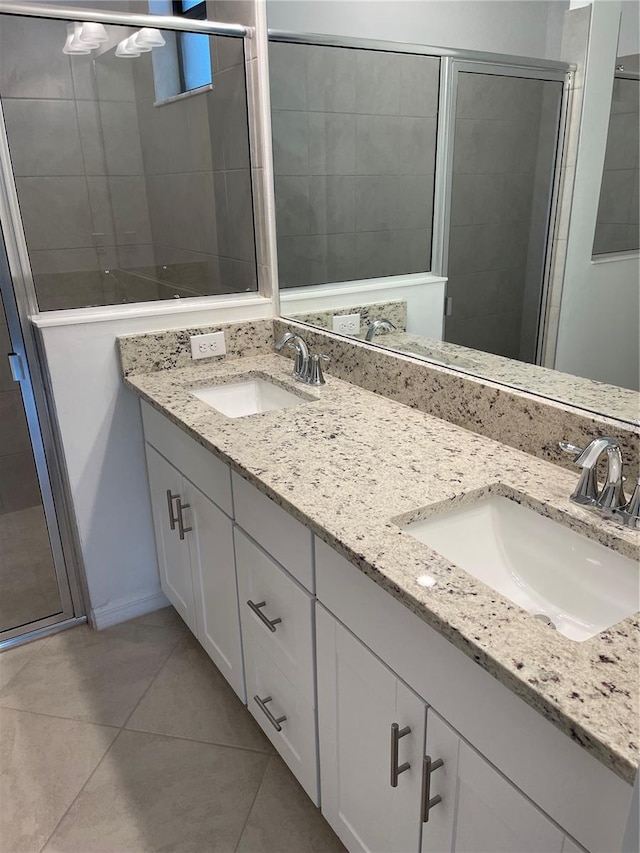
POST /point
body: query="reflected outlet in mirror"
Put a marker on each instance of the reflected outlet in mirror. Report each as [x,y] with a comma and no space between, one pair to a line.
[568,581]
[249,397]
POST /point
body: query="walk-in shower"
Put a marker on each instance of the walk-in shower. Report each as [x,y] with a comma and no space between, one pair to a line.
[396,164]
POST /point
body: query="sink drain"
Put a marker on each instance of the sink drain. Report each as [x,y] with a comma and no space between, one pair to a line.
[544,618]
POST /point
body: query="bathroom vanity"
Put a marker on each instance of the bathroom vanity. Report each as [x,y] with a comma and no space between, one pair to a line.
[421,710]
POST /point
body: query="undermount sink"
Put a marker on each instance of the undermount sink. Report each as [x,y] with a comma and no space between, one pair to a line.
[249,397]
[569,581]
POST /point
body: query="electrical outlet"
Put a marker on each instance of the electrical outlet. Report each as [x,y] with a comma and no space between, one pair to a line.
[347,324]
[205,346]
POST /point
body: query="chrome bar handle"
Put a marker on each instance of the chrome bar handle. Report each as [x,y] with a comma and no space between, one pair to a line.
[270,623]
[396,734]
[428,802]
[275,721]
[181,528]
[170,499]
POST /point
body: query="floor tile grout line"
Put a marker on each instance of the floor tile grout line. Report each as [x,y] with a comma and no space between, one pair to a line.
[153,681]
[253,802]
[203,742]
[58,717]
[81,789]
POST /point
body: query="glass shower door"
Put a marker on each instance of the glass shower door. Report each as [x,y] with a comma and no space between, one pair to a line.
[505,140]
[34,591]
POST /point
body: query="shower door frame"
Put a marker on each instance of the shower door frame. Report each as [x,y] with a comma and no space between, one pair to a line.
[42,441]
[450,70]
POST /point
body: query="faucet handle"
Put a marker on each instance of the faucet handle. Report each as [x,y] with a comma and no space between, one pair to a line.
[570,448]
[631,512]
[316,376]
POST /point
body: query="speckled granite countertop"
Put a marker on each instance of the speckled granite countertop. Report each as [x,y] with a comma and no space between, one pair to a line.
[406,461]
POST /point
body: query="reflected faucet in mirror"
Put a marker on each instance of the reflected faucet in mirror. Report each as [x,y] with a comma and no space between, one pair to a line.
[383,324]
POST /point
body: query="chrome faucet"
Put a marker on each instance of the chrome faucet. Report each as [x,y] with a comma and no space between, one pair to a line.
[301,364]
[307,368]
[385,324]
[609,500]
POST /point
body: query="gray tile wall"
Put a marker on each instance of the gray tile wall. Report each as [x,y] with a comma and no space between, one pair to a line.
[354,158]
[617,222]
[495,159]
[123,201]
[198,178]
[74,142]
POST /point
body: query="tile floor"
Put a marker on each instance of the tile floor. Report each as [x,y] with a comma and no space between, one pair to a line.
[27,577]
[129,740]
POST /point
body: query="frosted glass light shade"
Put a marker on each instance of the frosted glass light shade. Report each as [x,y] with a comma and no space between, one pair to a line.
[93,34]
[127,47]
[149,37]
[73,44]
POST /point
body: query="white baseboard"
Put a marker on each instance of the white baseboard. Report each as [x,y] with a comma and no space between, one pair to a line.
[126,608]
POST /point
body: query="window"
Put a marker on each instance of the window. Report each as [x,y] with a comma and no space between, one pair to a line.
[194,58]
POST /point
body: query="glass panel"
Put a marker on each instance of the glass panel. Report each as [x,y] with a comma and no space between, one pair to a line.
[127,193]
[190,4]
[506,131]
[354,135]
[27,575]
[197,60]
[617,223]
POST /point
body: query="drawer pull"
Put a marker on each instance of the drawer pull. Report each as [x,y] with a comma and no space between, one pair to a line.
[275,721]
[396,734]
[181,528]
[270,623]
[170,499]
[428,802]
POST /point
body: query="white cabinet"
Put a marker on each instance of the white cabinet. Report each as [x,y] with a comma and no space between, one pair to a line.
[369,723]
[278,640]
[214,584]
[165,487]
[479,809]
[446,798]
[194,540]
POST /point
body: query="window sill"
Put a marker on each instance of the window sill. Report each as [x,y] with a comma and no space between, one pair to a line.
[180,97]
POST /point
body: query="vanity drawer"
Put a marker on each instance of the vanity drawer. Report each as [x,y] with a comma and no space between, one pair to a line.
[289,643]
[197,464]
[275,530]
[296,741]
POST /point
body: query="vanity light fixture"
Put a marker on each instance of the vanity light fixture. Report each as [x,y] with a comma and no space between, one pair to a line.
[141,42]
[128,47]
[93,34]
[74,44]
[149,37]
[83,38]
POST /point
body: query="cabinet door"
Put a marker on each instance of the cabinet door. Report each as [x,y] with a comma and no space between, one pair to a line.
[166,487]
[492,815]
[214,581]
[359,699]
[289,643]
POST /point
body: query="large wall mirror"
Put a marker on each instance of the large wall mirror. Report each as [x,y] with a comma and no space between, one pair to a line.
[418,188]
[131,161]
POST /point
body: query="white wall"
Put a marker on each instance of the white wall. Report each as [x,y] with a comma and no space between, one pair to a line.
[519,27]
[598,335]
[101,432]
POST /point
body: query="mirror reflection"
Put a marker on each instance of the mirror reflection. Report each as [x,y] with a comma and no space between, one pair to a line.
[617,224]
[132,161]
[484,295]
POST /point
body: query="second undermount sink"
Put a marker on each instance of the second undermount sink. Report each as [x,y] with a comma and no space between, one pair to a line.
[249,397]
[569,581]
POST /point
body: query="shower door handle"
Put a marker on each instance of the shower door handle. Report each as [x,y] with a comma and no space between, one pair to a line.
[17,367]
